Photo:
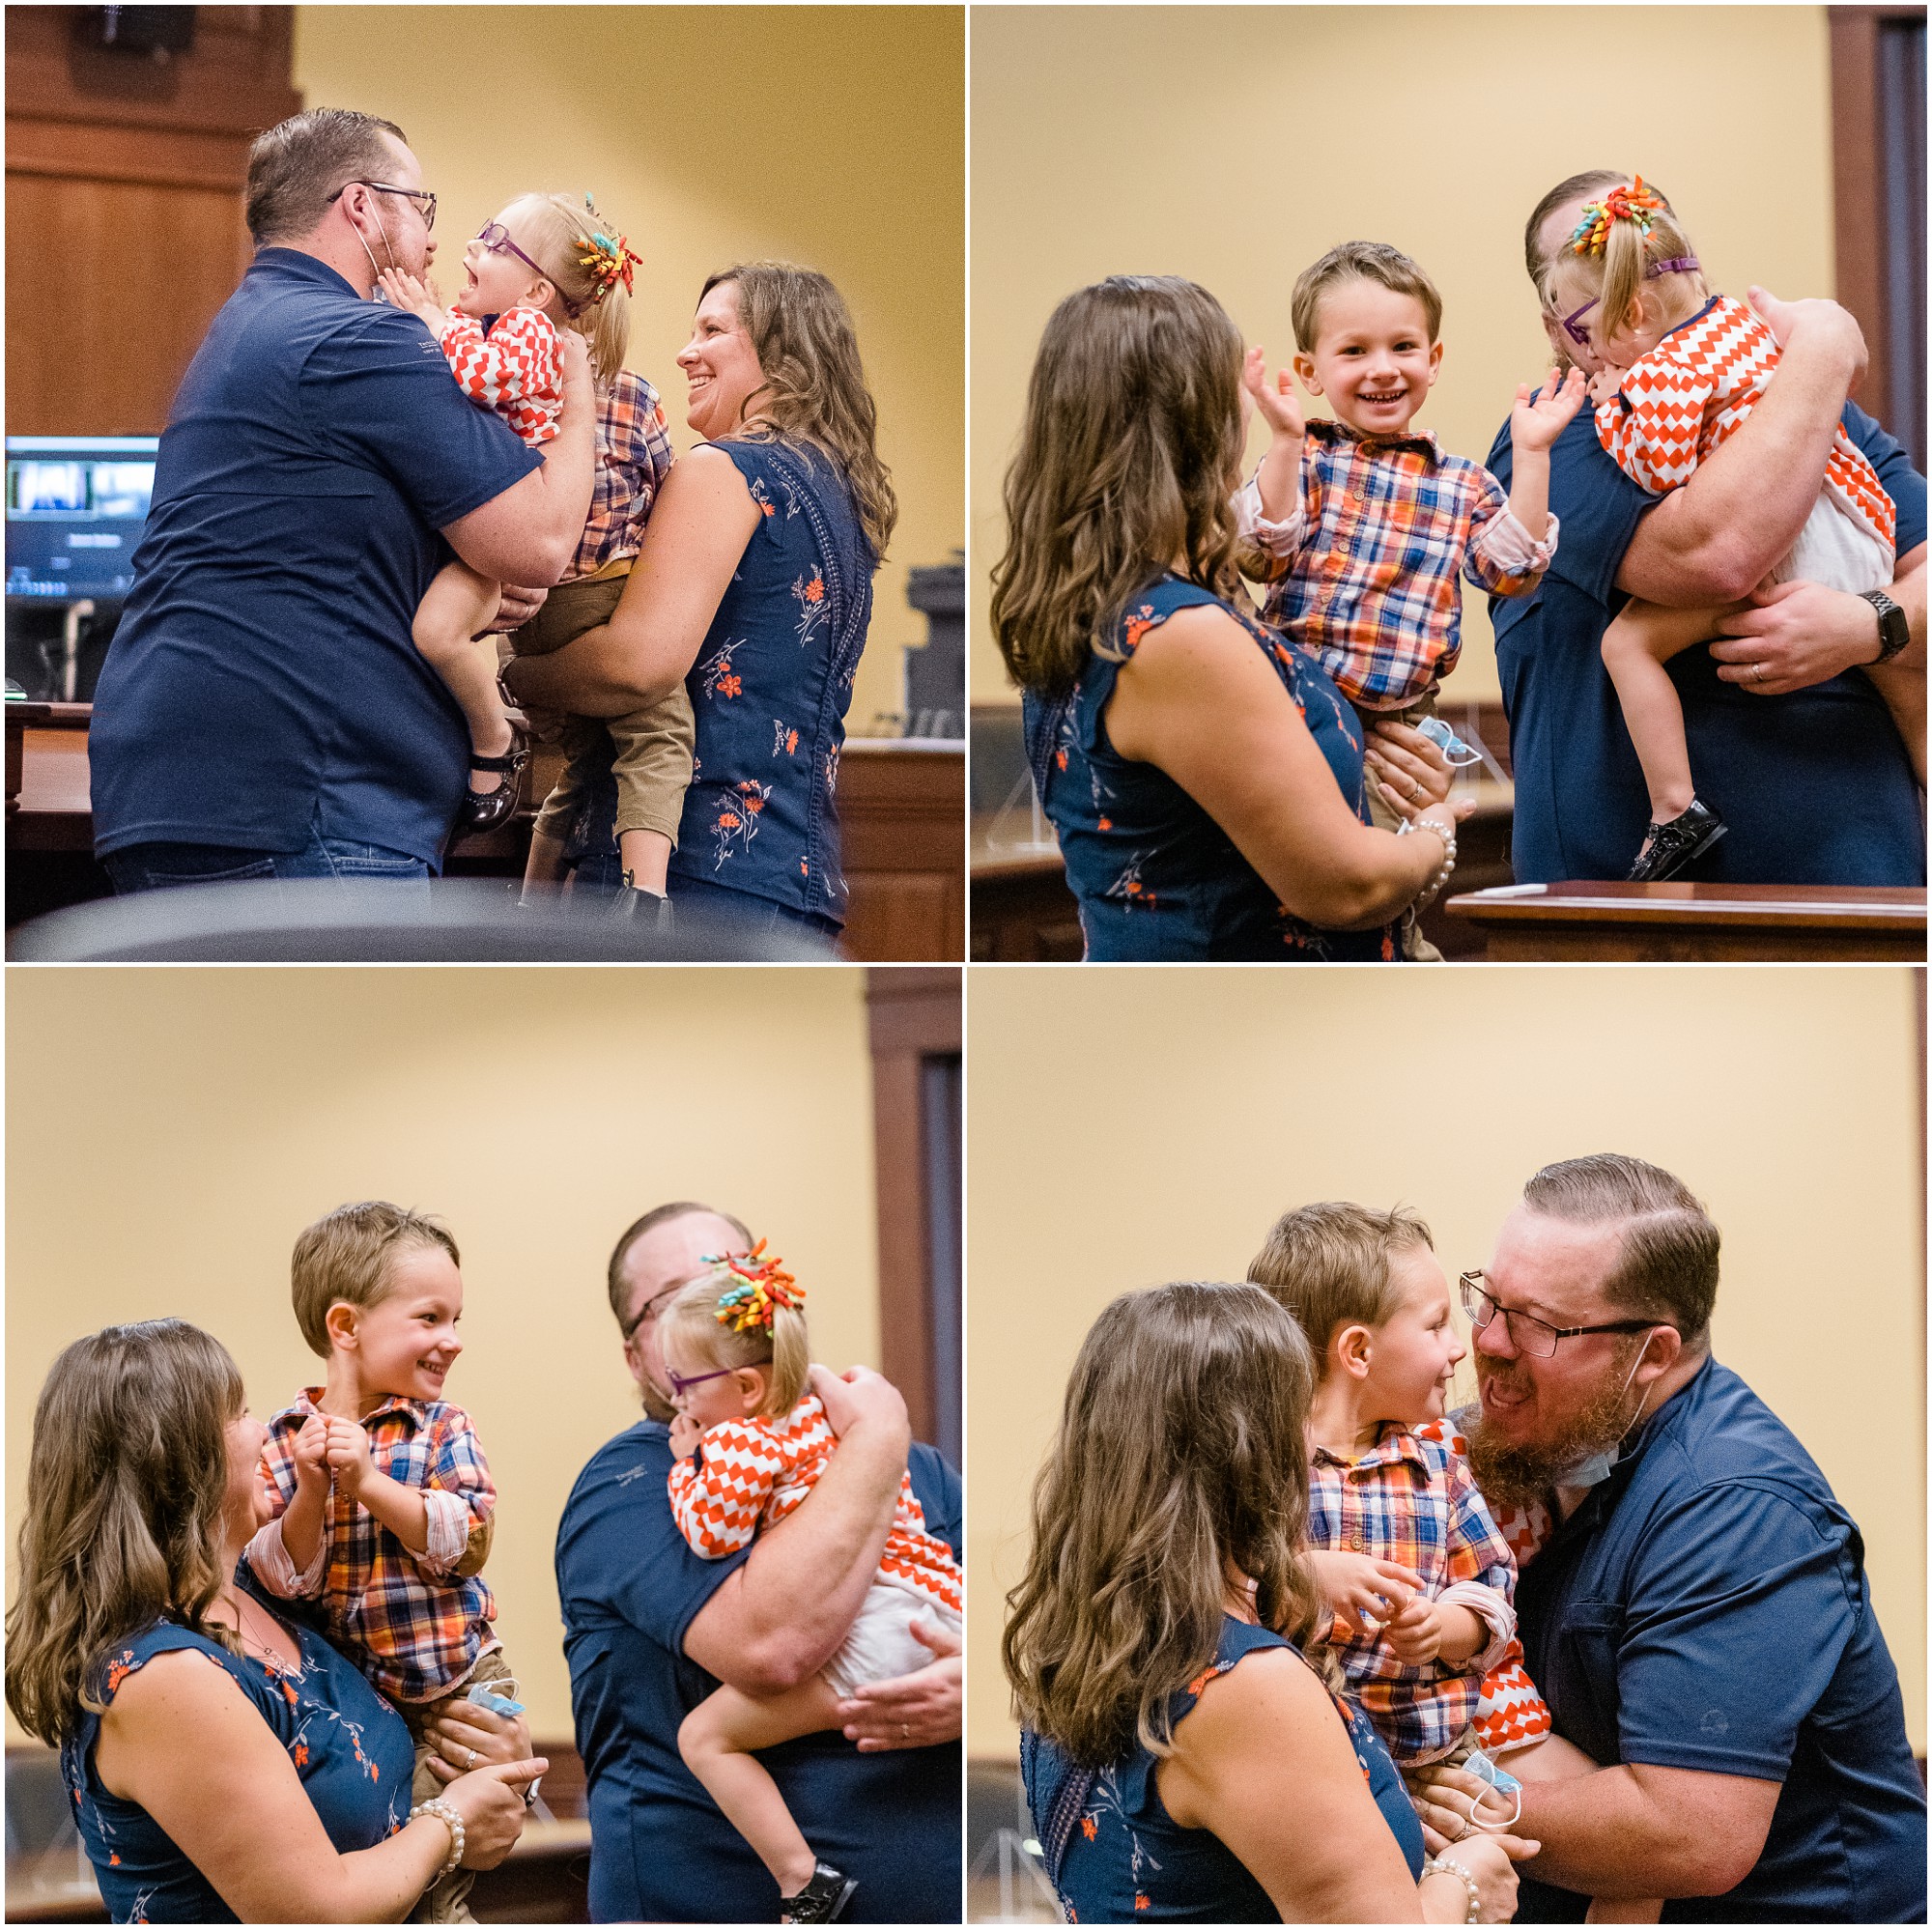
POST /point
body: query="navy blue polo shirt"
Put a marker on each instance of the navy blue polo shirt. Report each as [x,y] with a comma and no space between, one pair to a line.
[660,1851]
[1815,786]
[1706,1607]
[262,689]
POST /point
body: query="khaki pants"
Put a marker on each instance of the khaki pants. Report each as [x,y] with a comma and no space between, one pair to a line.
[653,745]
[1415,947]
[447,1900]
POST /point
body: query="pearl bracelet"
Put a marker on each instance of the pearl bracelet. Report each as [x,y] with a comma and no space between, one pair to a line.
[1433,888]
[448,1815]
[1443,1865]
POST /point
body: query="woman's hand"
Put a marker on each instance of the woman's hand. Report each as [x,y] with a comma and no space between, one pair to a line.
[1412,772]
[1362,1592]
[490,1803]
[1453,1805]
[912,1710]
[1489,1860]
[465,1736]
[1541,415]
[420,297]
[1279,406]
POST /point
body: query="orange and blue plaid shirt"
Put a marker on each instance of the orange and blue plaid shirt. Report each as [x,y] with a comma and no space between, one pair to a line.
[634,456]
[1411,1500]
[411,1624]
[1363,576]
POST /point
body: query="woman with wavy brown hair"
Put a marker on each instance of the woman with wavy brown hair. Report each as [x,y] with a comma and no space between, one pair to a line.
[1182,1758]
[1204,777]
[272,1786]
[755,589]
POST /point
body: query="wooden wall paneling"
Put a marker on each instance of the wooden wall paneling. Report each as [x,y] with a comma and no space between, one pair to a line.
[914,1015]
[902,825]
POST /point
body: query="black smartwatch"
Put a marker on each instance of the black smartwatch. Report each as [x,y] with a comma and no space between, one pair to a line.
[1893,631]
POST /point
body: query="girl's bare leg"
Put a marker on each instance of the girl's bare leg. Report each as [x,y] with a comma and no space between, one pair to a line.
[1904,694]
[646,856]
[714,1742]
[1641,641]
[454,608]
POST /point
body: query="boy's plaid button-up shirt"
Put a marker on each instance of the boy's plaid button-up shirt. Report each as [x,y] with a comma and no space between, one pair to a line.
[1410,1500]
[634,456]
[1363,575]
[411,1623]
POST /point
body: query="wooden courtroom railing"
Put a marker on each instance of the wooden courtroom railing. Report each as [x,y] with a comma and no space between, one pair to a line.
[1681,923]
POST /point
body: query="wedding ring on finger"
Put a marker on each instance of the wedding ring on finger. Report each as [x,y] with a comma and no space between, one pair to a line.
[473,1758]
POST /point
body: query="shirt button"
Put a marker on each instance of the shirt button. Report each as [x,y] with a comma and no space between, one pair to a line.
[1355,1543]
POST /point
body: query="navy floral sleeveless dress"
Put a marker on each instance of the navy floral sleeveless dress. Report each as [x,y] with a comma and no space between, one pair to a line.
[350,1748]
[1156,878]
[1115,1854]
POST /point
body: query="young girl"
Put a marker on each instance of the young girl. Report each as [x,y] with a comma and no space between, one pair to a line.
[1683,368]
[543,264]
[751,1440]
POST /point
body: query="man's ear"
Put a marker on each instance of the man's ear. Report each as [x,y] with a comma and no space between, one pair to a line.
[1662,1347]
[342,1323]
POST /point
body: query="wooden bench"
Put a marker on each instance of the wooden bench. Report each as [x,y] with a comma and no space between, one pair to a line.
[1682,923]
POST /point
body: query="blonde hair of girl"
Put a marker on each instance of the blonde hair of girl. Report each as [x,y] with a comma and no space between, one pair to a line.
[557,231]
[701,1322]
[1620,238]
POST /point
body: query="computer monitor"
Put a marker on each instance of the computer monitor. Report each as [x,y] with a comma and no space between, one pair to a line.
[75,509]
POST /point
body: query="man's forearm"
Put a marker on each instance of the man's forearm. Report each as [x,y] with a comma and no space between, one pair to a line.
[1623,1833]
[1714,539]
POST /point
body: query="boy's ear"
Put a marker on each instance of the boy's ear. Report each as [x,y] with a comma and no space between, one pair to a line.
[1350,1349]
[1304,367]
[1434,361]
[340,1323]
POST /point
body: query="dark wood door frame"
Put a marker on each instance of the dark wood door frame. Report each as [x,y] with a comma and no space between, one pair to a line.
[914,1017]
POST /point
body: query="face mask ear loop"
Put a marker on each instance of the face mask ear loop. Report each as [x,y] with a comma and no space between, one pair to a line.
[374,267]
[1642,1402]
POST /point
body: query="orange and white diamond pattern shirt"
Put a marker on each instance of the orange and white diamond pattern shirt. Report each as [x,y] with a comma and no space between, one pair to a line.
[1694,389]
[514,368]
[747,1474]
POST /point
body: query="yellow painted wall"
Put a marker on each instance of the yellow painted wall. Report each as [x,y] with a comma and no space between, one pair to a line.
[1237,145]
[828,136]
[171,1131]
[1131,1127]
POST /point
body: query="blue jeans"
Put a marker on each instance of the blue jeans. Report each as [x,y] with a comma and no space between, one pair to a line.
[161,866]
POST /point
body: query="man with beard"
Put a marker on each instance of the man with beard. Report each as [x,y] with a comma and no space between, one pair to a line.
[651,1630]
[1698,1617]
[264,711]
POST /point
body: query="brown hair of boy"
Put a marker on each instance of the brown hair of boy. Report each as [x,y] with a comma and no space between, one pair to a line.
[1358,261]
[343,1257]
[1328,1264]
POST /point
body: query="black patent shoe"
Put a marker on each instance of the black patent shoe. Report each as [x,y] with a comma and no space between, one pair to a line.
[1670,847]
[822,1899]
[649,909]
[484,810]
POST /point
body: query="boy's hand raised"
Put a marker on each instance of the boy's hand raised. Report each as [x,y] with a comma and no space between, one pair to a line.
[311,1453]
[1541,415]
[1279,406]
[348,1452]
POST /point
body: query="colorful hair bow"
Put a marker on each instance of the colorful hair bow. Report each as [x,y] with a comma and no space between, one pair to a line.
[763,1287]
[1634,203]
[609,260]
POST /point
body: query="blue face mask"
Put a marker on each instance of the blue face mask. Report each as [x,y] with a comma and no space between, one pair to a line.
[1596,1467]
[1459,754]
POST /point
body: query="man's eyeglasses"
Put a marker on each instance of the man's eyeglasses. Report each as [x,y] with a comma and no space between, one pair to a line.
[653,1306]
[1678,264]
[680,1386]
[1527,1333]
[425,201]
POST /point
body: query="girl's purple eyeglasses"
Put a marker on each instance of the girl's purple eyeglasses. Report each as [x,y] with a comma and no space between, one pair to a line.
[1677,264]
[496,238]
[679,1385]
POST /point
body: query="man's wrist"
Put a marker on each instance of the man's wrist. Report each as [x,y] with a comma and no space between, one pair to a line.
[1893,630]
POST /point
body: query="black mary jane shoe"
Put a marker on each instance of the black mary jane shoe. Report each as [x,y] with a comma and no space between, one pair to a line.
[1671,847]
[822,1899]
[484,810]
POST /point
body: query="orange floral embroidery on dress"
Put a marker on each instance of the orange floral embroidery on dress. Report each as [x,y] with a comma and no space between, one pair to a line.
[1090,1826]
[814,590]
[1138,625]
[1141,1901]
[301,1752]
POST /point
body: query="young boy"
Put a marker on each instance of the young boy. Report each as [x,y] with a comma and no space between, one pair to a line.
[1418,1579]
[382,1496]
[1362,522]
